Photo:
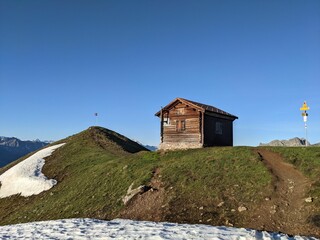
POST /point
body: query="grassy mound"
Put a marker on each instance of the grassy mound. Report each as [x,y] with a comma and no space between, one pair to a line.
[96,167]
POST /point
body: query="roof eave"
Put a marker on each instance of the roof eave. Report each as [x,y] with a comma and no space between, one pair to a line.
[168,106]
[222,114]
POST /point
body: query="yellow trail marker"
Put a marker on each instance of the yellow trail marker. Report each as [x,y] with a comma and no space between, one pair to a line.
[304,107]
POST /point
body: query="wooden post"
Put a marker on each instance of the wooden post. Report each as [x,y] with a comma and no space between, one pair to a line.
[202,128]
[161,126]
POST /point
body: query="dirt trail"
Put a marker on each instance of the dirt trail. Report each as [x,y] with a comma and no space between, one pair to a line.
[148,206]
[285,209]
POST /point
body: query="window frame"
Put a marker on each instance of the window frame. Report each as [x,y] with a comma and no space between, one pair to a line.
[180,125]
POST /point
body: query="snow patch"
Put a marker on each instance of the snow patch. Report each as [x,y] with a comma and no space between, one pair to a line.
[128,229]
[26,177]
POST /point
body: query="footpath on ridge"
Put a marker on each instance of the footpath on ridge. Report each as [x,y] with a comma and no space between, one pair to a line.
[285,209]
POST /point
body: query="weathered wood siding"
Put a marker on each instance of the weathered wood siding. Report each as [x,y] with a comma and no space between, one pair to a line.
[191,133]
[189,124]
[218,131]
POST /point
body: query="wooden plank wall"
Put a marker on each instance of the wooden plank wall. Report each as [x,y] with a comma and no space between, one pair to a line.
[191,134]
[212,138]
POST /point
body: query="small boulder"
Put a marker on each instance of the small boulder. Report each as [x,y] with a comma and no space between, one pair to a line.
[242,209]
[133,192]
[309,200]
[220,204]
[228,223]
[273,211]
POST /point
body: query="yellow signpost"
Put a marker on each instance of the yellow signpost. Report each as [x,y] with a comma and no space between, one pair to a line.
[304,107]
[305,118]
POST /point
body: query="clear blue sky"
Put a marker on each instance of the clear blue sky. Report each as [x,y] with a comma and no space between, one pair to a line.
[62,61]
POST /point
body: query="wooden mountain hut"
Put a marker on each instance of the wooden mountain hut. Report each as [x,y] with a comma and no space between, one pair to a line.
[188,124]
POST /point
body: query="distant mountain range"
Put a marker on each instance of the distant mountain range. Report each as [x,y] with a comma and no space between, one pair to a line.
[293,142]
[12,148]
[151,148]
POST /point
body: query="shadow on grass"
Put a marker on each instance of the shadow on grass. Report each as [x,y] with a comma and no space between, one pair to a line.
[315,220]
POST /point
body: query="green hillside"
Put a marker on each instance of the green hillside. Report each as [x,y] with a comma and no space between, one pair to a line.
[96,167]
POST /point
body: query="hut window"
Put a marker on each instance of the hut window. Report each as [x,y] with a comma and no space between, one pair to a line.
[219,128]
[183,125]
[166,119]
[180,125]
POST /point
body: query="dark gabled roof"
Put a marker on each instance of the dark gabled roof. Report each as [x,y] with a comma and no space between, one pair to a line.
[200,106]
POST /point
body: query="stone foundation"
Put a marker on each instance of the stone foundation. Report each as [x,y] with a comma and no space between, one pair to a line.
[181,145]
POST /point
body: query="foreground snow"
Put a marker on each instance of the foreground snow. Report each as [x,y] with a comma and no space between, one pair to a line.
[129,229]
[26,177]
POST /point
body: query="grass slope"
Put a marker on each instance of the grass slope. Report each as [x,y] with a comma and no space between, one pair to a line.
[96,167]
